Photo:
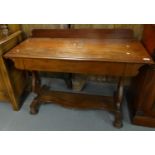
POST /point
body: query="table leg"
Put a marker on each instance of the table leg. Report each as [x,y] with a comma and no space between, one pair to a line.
[68,80]
[43,96]
[34,107]
[36,82]
[36,88]
[118,97]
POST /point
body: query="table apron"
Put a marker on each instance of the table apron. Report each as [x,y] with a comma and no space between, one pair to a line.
[78,66]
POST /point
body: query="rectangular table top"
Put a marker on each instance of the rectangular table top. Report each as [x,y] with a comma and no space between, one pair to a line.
[83,49]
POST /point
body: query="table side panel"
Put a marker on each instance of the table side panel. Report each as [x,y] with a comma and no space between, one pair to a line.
[3,93]
[132,69]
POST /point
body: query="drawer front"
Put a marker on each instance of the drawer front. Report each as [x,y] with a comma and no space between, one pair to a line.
[83,67]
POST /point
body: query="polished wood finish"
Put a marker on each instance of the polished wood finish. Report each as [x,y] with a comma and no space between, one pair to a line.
[118,97]
[136,28]
[149,38]
[117,57]
[45,33]
[77,55]
[141,95]
[83,33]
[107,50]
[11,79]
[71,100]
[75,100]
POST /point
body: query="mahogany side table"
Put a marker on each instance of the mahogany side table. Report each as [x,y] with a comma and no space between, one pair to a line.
[115,57]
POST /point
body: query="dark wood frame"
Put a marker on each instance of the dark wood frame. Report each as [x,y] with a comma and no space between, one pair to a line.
[141,94]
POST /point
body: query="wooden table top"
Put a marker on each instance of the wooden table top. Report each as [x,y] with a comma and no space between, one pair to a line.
[86,49]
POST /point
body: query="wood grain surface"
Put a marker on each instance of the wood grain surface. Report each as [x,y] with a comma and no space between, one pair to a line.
[84,33]
[111,50]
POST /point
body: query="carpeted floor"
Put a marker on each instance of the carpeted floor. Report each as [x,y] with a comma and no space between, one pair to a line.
[53,117]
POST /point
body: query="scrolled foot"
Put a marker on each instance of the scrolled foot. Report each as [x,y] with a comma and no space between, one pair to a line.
[118,119]
[33,111]
[118,124]
[34,107]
